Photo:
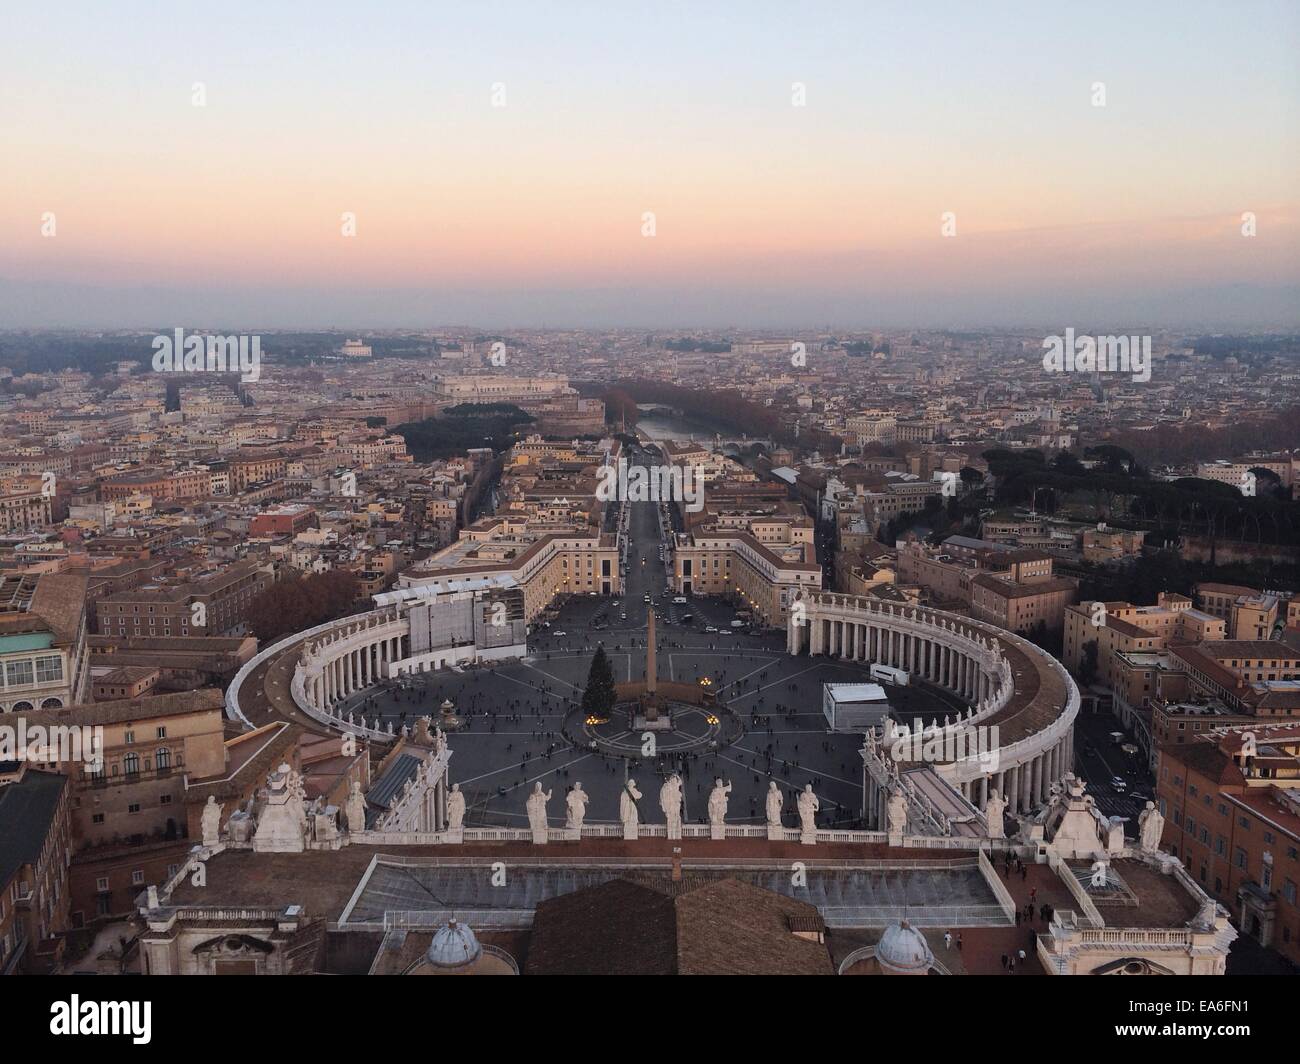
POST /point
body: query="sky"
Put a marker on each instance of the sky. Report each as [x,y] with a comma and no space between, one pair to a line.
[887,164]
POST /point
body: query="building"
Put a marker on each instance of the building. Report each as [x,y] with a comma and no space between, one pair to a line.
[1231,799]
[35,852]
[43,652]
[215,604]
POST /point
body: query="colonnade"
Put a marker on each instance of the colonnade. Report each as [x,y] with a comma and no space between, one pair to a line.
[964,658]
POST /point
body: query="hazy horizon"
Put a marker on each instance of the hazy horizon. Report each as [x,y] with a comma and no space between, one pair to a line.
[802,166]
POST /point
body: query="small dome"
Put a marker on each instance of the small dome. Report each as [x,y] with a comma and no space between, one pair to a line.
[453,946]
[902,949]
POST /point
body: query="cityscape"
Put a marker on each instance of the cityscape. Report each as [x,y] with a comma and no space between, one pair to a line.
[586,560]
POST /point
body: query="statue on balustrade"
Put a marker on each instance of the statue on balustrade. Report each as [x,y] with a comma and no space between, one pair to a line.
[455,808]
[995,807]
[670,801]
[576,803]
[355,809]
[627,805]
[1151,825]
[211,822]
[718,802]
[808,807]
[537,809]
[775,802]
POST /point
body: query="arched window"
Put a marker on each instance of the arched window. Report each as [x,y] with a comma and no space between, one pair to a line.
[131,764]
[163,758]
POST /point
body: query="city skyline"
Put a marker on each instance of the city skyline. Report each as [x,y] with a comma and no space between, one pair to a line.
[498,165]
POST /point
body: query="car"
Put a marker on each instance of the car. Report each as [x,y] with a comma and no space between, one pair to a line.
[679,600]
[559,635]
[710,628]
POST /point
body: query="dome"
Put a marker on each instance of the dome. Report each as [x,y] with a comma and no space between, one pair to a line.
[453,946]
[902,950]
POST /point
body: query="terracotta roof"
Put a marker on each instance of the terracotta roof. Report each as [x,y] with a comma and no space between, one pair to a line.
[123,710]
[691,927]
[59,601]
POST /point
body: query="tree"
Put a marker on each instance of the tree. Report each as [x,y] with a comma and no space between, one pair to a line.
[599,696]
[1088,666]
[297,602]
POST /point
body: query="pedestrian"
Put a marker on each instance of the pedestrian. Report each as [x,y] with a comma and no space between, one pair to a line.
[958,941]
[1004,962]
[1012,966]
[947,940]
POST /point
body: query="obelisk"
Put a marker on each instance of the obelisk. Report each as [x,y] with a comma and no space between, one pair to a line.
[650,666]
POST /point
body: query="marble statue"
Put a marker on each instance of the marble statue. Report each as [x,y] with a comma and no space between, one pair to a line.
[896,811]
[994,808]
[1151,825]
[774,804]
[808,806]
[456,808]
[670,801]
[211,822]
[576,803]
[537,809]
[718,802]
[355,809]
[627,808]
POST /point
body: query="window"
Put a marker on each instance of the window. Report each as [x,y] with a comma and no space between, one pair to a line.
[18,673]
[131,764]
[137,877]
[101,884]
[49,669]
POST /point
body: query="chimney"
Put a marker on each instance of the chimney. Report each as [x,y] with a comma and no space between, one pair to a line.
[677,864]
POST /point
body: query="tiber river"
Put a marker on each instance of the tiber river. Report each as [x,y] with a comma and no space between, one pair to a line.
[666,427]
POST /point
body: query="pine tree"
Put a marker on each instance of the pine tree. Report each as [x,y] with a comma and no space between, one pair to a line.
[599,696]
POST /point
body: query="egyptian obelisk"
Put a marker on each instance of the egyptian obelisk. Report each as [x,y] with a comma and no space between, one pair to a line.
[650,665]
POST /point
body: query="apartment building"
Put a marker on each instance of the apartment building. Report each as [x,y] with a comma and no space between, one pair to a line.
[35,856]
[215,604]
[1231,799]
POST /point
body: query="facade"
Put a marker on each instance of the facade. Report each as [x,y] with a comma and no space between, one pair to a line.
[43,651]
[1231,799]
[35,851]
